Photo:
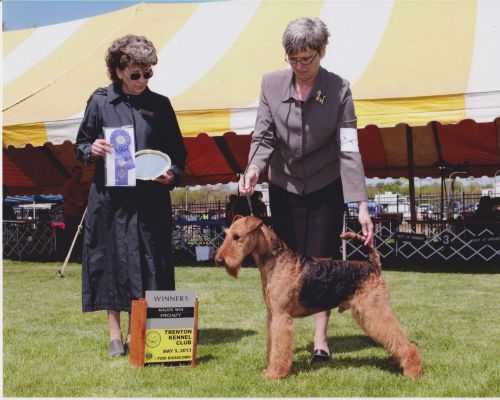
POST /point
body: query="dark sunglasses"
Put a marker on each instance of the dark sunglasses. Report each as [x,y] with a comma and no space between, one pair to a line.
[137,74]
[301,60]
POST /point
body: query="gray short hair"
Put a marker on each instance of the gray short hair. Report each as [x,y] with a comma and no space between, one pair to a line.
[305,33]
[127,50]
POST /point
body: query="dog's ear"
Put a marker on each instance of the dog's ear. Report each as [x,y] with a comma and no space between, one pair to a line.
[252,223]
[236,218]
[273,241]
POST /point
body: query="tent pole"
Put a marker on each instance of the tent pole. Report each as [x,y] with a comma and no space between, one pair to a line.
[497,125]
[411,175]
[442,166]
[442,171]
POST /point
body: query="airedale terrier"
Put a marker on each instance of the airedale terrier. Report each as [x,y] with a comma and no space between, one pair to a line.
[294,286]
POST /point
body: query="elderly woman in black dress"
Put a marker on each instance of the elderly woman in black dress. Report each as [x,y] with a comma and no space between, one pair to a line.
[305,134]
[127,241]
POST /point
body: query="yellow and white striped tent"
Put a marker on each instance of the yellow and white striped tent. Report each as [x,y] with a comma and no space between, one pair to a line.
[408,61]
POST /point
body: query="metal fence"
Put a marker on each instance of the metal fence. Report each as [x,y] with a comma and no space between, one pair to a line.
[198,225]
[431,241]
[428,206]
[440,232]
[444,230]
[29,240]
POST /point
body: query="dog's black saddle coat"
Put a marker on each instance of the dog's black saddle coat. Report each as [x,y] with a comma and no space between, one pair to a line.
[326,284]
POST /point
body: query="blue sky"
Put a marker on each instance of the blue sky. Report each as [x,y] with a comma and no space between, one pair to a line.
[21,14]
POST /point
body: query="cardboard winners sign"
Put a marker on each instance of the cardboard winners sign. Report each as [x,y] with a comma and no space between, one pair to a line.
[171,327]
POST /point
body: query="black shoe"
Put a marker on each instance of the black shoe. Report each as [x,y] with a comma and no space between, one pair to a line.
[116,348]
[319,356]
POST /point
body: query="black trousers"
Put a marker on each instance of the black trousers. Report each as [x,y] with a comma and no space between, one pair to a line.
[309,224]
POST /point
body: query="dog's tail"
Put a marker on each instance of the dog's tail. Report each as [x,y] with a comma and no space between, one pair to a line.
[373,254]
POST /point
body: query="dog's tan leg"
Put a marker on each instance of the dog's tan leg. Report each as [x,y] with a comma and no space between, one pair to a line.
[281,343]
[372,311]
[268,348]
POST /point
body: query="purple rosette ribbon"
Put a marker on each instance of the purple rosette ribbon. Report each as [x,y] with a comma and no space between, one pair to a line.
[120,140]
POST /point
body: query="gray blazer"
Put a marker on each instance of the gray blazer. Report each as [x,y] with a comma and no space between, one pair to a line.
[308,144]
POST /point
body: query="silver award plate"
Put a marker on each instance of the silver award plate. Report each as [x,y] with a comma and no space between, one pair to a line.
[150,164]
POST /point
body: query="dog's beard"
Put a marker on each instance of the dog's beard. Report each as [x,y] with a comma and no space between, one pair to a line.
[233,270]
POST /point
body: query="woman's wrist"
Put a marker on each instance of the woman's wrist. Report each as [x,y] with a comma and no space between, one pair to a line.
[253,167]
[363,205]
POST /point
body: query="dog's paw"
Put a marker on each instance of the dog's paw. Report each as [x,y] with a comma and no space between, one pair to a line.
[413,371]
[412,364]
[274,374]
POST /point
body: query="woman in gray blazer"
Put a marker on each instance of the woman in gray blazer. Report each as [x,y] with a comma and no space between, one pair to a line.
[305,134]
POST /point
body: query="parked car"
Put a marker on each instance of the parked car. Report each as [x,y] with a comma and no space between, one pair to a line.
[424,211]
[374,208]
[471,208]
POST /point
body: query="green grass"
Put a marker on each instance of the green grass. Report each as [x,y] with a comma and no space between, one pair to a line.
[52,349]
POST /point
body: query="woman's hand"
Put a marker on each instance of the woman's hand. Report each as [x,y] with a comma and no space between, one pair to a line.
[167,178]
[366,223]
[100,148]
[247,182]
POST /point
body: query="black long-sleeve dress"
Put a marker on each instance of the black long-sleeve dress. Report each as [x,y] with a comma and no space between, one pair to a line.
[127,241]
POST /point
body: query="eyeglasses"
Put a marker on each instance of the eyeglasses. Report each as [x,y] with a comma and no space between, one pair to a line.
[137,74]
[300,60]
